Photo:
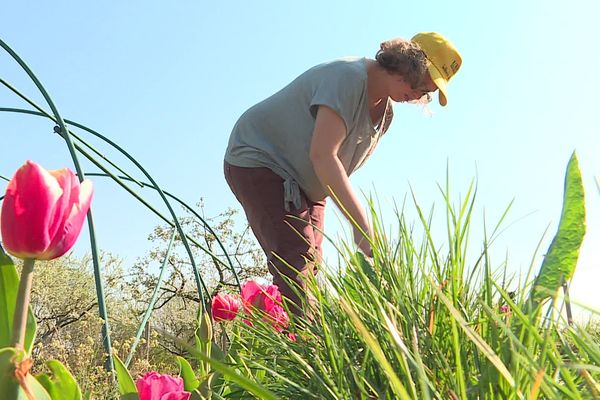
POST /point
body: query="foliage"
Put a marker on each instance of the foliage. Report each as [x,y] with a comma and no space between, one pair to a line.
[175,310]
[417,322]
[65,306]
[9,283]
[559,264]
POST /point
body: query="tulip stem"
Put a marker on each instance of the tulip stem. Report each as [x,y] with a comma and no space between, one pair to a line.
[22,306]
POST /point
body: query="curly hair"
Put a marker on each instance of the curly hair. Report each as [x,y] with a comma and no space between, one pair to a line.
[403,57]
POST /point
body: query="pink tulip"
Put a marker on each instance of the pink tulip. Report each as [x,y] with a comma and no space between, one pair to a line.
[267,299]
[154,386]
[278,317]
[261,297]
[224,307]
[43,212]
[292,336]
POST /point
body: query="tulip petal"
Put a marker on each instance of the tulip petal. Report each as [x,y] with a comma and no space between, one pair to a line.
[250,289]
[28,208]
[66,180]
[272,298]
[176,396]
[224,307]
[251,297]
[66,236]
[278,317]
[154,386]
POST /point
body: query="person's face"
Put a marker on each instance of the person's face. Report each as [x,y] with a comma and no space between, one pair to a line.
[400,90]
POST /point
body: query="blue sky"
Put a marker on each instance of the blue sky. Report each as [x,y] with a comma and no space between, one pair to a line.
[167,81]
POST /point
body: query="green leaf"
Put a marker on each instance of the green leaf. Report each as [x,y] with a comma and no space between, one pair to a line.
[371,341]
[198,343]
[475,338]
[205,331]
[367,268]
[230,373]
[561,259]
[190,381]
[216,352]
[216,382]
[127,388]
[206,386]
[9,386]
[196,396]
[9,285]
[62,385]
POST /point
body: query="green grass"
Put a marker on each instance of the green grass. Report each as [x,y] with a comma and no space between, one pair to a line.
[420,321]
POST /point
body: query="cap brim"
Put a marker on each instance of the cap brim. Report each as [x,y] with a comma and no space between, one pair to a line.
[440,82]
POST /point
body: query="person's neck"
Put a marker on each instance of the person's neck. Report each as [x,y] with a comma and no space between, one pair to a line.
[377,90]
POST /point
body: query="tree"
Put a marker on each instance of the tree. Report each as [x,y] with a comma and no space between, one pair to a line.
[175,310]
[66,308]
[64,303]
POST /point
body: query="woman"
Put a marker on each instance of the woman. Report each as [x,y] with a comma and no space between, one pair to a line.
[289,152]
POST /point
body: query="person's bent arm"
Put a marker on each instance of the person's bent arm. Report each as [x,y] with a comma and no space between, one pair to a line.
[330,132]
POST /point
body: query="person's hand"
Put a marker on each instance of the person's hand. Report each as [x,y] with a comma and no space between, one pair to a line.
[362,242]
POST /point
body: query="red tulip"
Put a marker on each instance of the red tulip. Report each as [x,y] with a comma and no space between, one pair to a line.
[43,212]
[224,307]
[154,386]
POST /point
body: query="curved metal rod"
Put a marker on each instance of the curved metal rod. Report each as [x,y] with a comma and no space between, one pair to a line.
[153,186]
[90,218]
[161,192]
[199,282]
[42,112]
[118,179]
[153,298]
[195,214]
[201,287]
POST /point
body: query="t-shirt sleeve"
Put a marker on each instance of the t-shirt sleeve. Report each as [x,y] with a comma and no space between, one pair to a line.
[339,90]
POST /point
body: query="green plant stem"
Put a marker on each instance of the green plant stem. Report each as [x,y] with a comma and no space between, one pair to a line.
[568,303]
[90,220]
[22,306]
[150,307]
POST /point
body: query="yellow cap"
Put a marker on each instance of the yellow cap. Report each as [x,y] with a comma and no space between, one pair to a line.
[444,59]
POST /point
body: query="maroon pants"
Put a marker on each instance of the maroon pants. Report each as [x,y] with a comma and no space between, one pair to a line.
[260,192]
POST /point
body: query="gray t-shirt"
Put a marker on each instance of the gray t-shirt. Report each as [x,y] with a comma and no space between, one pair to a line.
[276,133]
